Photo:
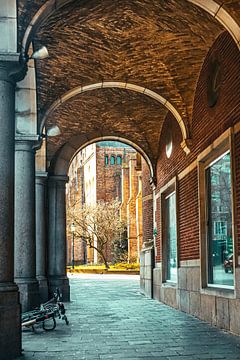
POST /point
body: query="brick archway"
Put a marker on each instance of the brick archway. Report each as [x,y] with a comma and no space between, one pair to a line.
[127,86]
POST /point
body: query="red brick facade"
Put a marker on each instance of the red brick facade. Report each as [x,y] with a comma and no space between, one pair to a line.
[207,124]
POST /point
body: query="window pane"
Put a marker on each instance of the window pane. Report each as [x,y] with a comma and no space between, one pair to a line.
[171,238]
[220,244]
[119,160]
[112,160]
[106,159]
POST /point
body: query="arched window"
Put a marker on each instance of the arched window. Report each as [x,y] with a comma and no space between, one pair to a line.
[106,159]
[112,161]
[119,160]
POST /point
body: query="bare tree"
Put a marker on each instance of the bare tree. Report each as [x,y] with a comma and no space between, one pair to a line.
[97,225]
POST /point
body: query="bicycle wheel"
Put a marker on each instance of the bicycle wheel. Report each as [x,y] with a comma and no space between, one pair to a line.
[51,326]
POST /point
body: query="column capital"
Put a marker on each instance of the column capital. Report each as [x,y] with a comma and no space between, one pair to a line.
[41,177]
[11,68]
[26,143]
[58,178]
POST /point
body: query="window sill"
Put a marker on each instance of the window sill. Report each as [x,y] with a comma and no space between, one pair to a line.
[219,292]
[169,284]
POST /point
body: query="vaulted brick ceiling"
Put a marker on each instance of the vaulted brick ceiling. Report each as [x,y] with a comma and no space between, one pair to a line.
[156,44]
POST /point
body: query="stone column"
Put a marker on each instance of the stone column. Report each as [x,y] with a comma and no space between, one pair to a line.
[57,243]
[25,244]
[10,330]
[41,252]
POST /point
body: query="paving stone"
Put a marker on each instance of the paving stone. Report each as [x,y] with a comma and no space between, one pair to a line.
[110,320]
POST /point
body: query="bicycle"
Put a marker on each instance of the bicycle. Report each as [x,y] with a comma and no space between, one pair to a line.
[46,313]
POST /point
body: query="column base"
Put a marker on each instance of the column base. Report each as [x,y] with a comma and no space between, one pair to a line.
[62,283]
[43,288]
[10,324]
[29,293]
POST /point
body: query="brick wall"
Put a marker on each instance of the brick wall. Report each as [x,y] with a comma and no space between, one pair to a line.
[108,176]
[206,125]
[188,217]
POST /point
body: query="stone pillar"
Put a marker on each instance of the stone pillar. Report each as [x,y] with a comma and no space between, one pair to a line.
[10,330]
[57,243]
[41,252]
[25,245]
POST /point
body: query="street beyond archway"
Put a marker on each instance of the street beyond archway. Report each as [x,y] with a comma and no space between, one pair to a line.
[110,319]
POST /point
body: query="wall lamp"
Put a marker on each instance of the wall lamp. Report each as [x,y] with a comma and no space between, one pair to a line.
[51,132]
[40,54]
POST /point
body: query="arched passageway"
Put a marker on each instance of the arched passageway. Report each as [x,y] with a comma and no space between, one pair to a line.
[163,76]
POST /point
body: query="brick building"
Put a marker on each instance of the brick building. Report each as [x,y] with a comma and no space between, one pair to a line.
[105,171]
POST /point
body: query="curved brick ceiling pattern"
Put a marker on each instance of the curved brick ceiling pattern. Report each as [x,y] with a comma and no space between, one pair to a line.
[158,44]
[115,112]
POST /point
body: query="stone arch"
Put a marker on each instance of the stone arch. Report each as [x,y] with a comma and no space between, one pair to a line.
[122,85]
[210,6]
[69,150]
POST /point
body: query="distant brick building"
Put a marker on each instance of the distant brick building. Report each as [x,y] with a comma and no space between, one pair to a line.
[105,171]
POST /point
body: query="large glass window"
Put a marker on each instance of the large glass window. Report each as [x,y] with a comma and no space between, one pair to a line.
[171,237]
[219,222]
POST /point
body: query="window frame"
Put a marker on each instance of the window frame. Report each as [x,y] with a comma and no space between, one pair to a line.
[222,145]
[165,192]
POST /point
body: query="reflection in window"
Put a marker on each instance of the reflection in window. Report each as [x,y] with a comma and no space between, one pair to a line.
[220,243]
[119,160]
[112,160]
[171,237]
[106,159]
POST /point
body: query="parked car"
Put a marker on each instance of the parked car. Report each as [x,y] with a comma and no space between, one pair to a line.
[228,264]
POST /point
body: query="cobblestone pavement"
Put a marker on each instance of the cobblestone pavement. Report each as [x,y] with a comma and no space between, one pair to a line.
[110,319]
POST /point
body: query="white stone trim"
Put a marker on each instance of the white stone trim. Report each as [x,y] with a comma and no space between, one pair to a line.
[147,198]
[190,263]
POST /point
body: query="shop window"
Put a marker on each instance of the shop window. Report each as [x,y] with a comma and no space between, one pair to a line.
[119,160]
[112,160]
[216,216]
[171,238]
[219,234]
[106,159]
[169,234]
